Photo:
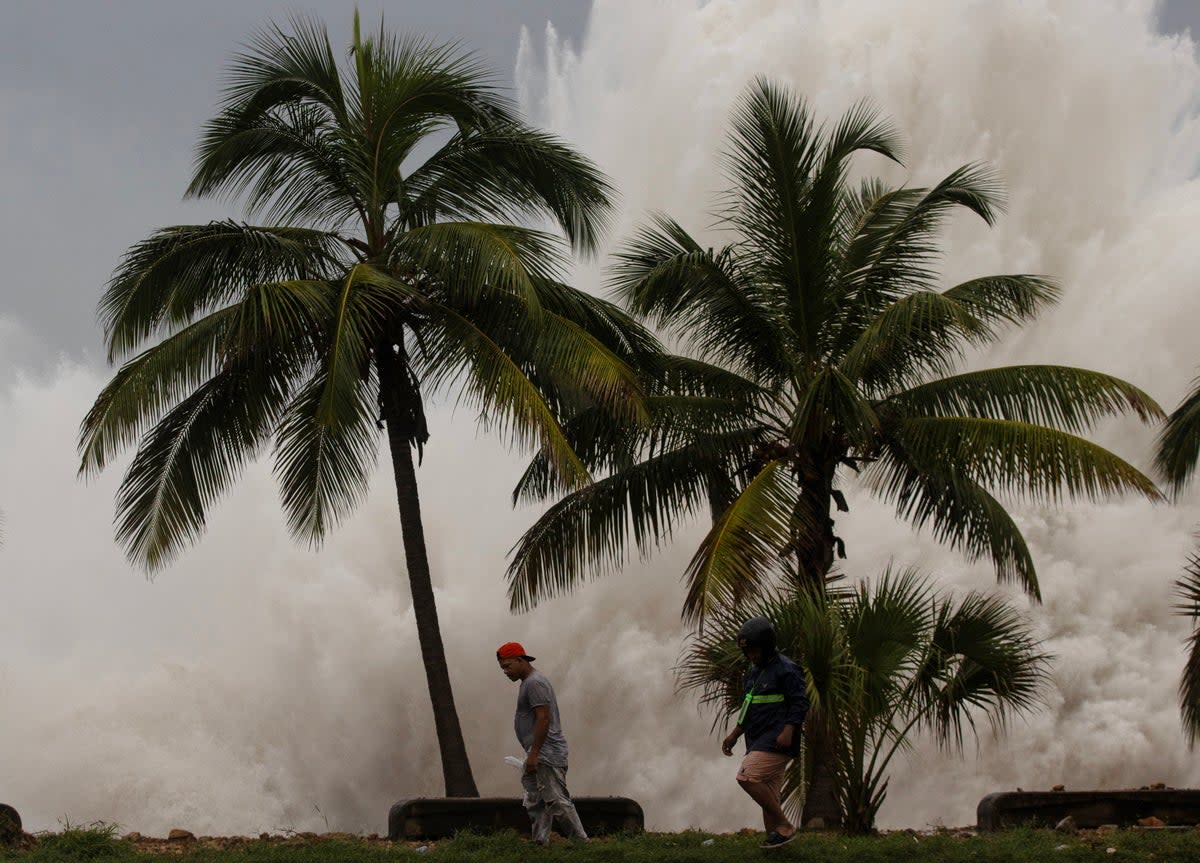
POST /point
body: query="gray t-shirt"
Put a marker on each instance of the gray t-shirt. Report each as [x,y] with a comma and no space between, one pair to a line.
[536,691]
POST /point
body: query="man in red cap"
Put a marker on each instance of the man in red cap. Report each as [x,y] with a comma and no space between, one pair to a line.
[540,734]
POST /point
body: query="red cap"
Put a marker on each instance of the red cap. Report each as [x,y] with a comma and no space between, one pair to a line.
[512,648]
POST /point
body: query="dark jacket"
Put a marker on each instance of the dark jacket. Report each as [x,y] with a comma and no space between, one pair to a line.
[779,698]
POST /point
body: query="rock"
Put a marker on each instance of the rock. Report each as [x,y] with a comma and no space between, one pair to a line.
[132,837]
[1151,822]
[707,843]
[1059,788]
[1107,828]
[1067,825]
[177,835]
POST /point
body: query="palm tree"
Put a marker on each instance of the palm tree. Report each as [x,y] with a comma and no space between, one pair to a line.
[377,279]
[1178,446]
[883,662]
[1177,452]
[829,345]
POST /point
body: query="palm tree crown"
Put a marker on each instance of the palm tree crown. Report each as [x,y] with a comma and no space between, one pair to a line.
[821,340]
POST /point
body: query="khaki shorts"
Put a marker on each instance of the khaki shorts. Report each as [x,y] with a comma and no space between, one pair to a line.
[765,767]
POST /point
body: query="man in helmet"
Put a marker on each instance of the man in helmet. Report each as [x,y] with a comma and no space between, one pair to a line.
[540,734]
[772,717]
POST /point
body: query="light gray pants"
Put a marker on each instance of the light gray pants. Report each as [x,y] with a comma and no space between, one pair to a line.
[547,800]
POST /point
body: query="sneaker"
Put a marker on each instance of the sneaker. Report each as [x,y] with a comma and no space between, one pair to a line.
[777,840]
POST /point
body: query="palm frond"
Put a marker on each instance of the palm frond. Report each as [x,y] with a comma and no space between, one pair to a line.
[881,661]
[1187,592]
[1021,458]
[278,67]
[412,78]
[280,136]
[959,511]
[890,245]
[147,386]
[1065,398]
[192,455]
[607,443]
[571,368]
[742,553]
[904,259]
[513,173]
[832,401]
[1178,446]
[1007,299]
[926,333]
[698,295]
[685,376]
[289,166]
[165,281]
[507,399]
[461,259]
[985,661]
[882,622]
[327,440]
[775,150]
[591,529]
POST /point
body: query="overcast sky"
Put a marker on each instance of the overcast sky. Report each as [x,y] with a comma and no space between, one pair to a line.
[100,104]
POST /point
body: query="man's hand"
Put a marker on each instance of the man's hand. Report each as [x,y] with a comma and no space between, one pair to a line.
[784,740]
[730,739]
[531,762]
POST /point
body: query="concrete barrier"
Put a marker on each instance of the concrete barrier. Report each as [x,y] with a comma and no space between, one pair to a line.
[1089,809]
[442,817]
[10,825]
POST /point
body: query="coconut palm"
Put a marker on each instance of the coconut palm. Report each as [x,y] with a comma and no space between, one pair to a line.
[831,346]
[391,265]
[883,662]
[1178,446]
[1177,452]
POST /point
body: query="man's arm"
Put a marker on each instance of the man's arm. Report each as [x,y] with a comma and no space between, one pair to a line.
[795,696]
[730,739]
[541,727]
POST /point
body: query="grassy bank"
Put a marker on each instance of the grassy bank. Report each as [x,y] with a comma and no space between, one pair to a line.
[103,846]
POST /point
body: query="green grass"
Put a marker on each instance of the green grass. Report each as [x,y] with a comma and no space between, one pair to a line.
[100,844]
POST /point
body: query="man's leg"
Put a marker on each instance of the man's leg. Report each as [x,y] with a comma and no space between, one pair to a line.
[535,805]
[552,783]
[761,777]
[775,820]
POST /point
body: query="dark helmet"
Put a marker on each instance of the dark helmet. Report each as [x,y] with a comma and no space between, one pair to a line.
[757,632]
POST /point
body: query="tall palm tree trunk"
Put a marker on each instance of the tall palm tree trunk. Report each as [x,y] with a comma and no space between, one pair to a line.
[396,392]
[820,798]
